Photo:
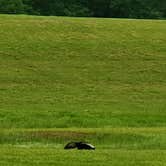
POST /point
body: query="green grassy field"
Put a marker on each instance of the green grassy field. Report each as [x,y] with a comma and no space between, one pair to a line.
[116,146]
[98,80]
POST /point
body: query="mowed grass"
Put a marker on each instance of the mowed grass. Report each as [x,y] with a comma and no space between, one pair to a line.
[82,79]
[50,157]
[78,72]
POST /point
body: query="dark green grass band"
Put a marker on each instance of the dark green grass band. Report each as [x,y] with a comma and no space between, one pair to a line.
[111,138]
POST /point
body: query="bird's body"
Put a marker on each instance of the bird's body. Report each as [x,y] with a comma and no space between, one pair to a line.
[80,146]
[70,145]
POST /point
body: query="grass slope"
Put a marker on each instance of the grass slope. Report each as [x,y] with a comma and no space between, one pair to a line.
[78,72]
[96,80]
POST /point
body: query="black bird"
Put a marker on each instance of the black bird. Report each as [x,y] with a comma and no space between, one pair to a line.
[70,145]
[80,146]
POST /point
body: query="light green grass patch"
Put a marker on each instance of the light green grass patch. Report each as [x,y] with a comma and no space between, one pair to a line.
[12,156]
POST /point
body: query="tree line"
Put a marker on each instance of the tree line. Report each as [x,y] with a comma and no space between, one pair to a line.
[87,8]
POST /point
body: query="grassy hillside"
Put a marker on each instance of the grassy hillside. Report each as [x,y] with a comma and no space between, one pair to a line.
[96,80]
[78,72]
